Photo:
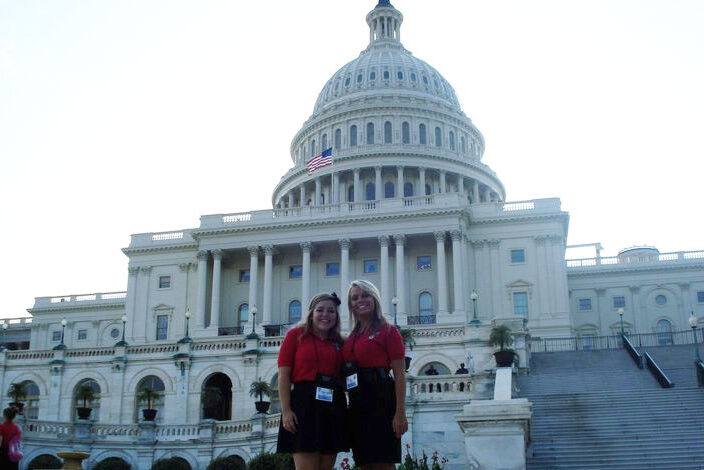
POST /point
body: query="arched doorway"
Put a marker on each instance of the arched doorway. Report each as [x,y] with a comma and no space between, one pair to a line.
[216,397]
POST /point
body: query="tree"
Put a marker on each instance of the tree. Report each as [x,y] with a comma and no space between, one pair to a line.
[85,393]
[260,388]
[501,336]
[17,392]
[149,395]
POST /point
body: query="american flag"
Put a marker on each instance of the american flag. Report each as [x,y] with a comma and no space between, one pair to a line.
[322,159]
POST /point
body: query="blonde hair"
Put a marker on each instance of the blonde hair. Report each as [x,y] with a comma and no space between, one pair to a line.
[370,289]
[307,324]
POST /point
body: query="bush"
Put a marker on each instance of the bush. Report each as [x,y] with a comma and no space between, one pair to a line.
[173,463]
[415,463]
[268,461]
[45,461]
[231,462]
[112,463]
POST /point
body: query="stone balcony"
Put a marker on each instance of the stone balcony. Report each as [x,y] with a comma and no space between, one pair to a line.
[74,300]
[618,263]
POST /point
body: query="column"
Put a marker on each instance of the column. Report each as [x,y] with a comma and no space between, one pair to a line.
[385,294]
[487,194]
[496,280]
[344,274]
[305,285]
[202,286]
[253,275]
[215,296]
[318,191]
[130,305]
[268,272]
[457,278]
[442,272]
[482,272]
[400,241]
[460,184]
[290,199]
[475,192]
[378,195]
[336,188]
[443,182]
[421,175]
[357,192]
[399,181]
[303,196]
[543,281]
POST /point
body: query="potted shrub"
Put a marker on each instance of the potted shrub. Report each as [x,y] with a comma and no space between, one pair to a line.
[409,341]
[149,395]
[501,336]
[18,393]
[84,393]
[260,388]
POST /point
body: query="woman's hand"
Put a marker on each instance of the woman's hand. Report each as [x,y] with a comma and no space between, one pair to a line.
[289,420]
[400,424]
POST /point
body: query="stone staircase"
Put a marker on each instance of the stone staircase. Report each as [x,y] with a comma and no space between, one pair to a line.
[596,410]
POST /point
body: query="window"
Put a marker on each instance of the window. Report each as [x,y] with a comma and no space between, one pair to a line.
[162,326]
[370,133]
[700,296]
[664,331]
[585,304]
[155,384]
[660,299]
[31,400]
[56,336]
[421,134]
[338,138]
[332,269]
[389,189]
[399,75]
[370,192]
[387,132]
[413,76]
[405,133]
[243,313]
[295,272]
[353,136]
[428,191]
[82,334]
[244,275]
[386,75]
[452,140]
[359,78]
[518,256]
[164,282]
[520,304]
[370,266]
[347,81]
[438,137]
[294,311]
[425,304]
[423,263]
[372,76]
[350,194]
[94,404]
[408,190]
[619,301]
[425,79]
[114,333]
[324,142]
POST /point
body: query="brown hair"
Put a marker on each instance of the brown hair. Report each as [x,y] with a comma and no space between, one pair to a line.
[307,325]
[370,289]
[9,413]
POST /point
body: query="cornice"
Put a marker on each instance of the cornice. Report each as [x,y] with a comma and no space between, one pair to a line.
[512,219]
[150,249]
[604,269]
[66,307]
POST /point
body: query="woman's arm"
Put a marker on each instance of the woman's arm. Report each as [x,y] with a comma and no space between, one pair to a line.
[288,417]
[400,423]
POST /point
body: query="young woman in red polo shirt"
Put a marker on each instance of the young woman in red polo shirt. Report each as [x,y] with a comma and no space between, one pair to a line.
[377,413]
[313,410]
[8,432]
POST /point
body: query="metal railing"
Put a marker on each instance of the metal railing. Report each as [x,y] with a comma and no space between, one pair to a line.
[657,372]
[700,372]
[632,351]
[422,320]
[593,343]
[230,331]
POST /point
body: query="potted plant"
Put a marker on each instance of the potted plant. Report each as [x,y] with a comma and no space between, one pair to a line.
[260,388]
[149,395]
[18,393]
[409,341]
[84,393]
[501,336]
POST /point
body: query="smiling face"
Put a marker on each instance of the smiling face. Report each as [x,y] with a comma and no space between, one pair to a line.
[324,317]
[362,305]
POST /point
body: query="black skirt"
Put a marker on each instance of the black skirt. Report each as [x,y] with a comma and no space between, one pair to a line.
[321,425]
[370,419]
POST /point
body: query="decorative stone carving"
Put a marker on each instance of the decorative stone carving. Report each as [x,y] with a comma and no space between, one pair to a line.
[133,270]
[383,240]
[400,239]
[146,269]
[439,236]
[345,243]
[456,235]
[217,254]
[202,255]
[268,250]
[253,250]
[306,246]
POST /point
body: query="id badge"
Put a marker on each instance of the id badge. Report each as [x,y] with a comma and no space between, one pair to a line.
[323,394]
[351,381]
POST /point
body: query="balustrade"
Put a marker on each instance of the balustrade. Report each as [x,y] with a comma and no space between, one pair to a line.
[672,257]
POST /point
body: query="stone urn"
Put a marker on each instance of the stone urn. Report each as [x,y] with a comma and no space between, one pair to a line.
[72,460]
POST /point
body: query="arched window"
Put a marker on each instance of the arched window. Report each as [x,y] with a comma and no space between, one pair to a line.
[435,368]
[31,401]
[664,330]
[294,311]
[425,304]
[372,76]
[405,133]
[243,314]
[387,132]
[350,194]
[422,138]
[216,397]
[353,136]
[275,401]
[93,404]
[153,383]
[408,190]
[389,189]
[463,144]
[370,133]
[370,192]
[428,190]
[452,141]
[438,137]
[325,142]
[338,138]
[312,148]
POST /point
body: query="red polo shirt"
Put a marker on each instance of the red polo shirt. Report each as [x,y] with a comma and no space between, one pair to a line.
[309,356]
[376,349]
[8,430]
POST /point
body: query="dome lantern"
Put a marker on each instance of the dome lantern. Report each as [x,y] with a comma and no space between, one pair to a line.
[384,23]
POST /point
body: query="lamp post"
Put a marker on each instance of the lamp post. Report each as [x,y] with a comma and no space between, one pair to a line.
[3,346]
[186,338]
[394,301]
[474,296]
[254,318]
[122,342]
[63,329]
[693,323]
[620,314]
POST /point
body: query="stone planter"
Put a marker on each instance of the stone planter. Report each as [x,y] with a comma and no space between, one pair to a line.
[149,414]
[504,358]
[262,406]
[83,413]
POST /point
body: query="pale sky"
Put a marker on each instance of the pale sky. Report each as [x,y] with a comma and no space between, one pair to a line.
[121,117]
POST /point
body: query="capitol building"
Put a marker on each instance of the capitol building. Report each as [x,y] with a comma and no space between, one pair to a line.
[408,204]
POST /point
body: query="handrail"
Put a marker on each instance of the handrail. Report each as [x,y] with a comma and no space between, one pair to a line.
[635,355]
[594,343]
[699,365]
[655,369]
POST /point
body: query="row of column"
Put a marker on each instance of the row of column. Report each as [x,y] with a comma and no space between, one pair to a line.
[345,244]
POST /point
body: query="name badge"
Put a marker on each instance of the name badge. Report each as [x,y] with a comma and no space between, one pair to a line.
[351,381]
[323,394]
